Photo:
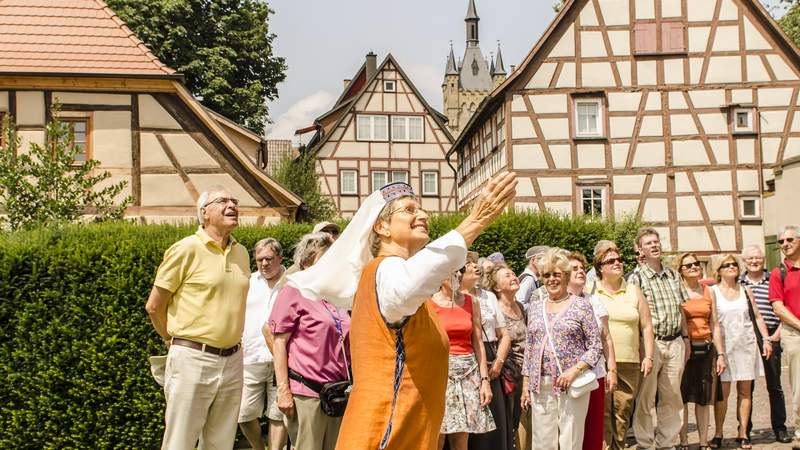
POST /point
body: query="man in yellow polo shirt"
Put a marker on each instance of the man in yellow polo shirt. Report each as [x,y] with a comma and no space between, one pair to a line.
[197,306]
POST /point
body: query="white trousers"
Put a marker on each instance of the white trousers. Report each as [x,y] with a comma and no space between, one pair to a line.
[203,393]
[557,420]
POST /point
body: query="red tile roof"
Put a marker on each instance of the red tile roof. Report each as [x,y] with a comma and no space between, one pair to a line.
[71,36]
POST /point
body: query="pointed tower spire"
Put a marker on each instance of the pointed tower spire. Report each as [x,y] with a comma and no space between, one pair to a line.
[472,24]
[498,68]
[451,68]
[491,67]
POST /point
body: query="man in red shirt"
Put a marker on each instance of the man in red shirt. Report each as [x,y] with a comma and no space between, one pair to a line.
[784,293]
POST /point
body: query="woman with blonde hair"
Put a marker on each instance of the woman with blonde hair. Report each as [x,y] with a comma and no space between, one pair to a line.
[383,266]
[628,319]
[504,283]
[564,344]
[707,354]
[740,324]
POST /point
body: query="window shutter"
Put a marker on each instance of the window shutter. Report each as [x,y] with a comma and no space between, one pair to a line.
[672,37]
[645,36]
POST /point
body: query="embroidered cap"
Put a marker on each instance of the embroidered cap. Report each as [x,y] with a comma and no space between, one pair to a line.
[395,190]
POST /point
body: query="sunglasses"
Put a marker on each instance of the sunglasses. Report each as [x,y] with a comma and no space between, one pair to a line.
[223,201]
[549,275]
[729,265]
[611,261]
[690,265]
[789,240]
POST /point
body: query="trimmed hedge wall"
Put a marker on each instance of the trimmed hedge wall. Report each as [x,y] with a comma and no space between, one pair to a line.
[76,339]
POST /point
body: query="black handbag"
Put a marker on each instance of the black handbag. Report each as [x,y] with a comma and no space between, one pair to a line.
[333,396]
[700,349]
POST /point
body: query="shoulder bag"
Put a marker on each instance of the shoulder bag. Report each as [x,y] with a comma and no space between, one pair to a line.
[582,384]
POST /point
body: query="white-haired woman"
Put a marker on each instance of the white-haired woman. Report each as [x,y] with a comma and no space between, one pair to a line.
[737,312]
[310,344]
[563,342]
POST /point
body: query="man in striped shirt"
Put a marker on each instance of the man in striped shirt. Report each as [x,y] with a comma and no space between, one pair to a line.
[757,279]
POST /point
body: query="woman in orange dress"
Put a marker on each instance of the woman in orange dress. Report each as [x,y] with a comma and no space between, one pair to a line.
[399,350]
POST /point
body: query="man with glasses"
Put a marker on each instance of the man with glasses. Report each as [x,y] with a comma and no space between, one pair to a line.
[784,293]
[665,293]
[757,279]
[197,306]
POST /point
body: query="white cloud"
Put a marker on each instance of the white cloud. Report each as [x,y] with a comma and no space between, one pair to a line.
[300,115]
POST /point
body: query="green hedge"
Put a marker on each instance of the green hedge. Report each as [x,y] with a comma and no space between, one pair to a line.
[75,336]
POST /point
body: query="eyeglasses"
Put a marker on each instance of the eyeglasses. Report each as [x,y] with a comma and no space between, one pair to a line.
[611,261]
[729,265]
[549,275]
[788,240]
[409,210]
[223,201]
[754,258]
[690,265]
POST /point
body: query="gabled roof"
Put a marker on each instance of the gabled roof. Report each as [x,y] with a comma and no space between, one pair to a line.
[71,36]
[350,97]
[571,9]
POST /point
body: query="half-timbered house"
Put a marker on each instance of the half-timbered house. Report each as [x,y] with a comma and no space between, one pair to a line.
[128,110]
[380,130]
[674,111]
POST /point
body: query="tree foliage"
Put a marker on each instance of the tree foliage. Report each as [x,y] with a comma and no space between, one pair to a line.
[790,23]
[299,175]
[44,185]
[222,47]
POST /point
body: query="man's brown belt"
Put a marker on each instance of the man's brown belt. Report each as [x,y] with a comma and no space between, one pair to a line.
[205,347]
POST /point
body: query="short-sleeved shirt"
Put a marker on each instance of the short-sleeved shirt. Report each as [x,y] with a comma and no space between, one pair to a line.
[787,291]
[665,293]
[492,316]
[314,350]
[209,289]
[260,298]
[623,321]
[760,290]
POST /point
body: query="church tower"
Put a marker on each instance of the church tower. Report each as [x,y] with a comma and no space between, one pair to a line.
[469,81]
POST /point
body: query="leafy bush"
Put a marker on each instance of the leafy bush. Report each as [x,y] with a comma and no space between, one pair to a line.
[76,338]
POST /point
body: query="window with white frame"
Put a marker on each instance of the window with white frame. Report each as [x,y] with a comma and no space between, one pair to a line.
[430,183]
[592,201]
[372,128]
[399,175]
[348,182]
[407,128]
[750,208]
[389,86]
[589,117]
[743,120]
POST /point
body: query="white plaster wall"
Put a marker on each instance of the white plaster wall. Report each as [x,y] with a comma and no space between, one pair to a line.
[671,8]
[742,96]
[30,108]
[528,156]
[772,121]
[91,98]
[202,182]
[645,9]
[724,69]
[422,151]
[621,126]
[728,10]
[687,209]
[695,238]
[646,73]
[649,154]
[659,183]
[615,12]
[352,150]
[653,102]
[629,184]
[719,207]
[619,154]
[753,235]
[698,38]
[524,187]
[714,123]
[518,104]
[562,156]
[592,43]
[591,156]
[152,115]
[3,100]
[713,98]
[745,151]
[756,70]
[555,186]
[111,138]
[29,137]
[753,39]
[563,208]
[651,126]
[769,149]
[747,180]
[676,100]
[673,71]
[727,39]
[567,76]
[152,155]
[792,148]
[188,152]
[695,68]
[620,42]
[655,210]
[726,237]
[780,68]
[588,17]
[542,77]
[625,208]
[718,180]
[682,182]
[522,128]
[624,69]
[720,149]
[623,101]
[700,11]
[566,45]
[154,186]
[689,153]
[381,149]
[555,128]
[551,103]
[774,96]
[682,125]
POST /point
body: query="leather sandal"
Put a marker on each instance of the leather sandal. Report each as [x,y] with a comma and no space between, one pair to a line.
[745,443]
[716,442]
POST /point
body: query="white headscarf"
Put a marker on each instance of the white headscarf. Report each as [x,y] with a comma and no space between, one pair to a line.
[336,275]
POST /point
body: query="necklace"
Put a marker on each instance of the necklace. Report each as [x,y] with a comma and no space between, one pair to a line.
[559,300]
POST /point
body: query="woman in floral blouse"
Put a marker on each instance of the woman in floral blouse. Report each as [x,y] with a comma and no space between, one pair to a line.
[551,365]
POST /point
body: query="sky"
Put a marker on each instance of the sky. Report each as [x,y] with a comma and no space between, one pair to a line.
[325,42]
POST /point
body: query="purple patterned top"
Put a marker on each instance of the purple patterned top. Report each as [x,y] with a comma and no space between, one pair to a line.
[575,335]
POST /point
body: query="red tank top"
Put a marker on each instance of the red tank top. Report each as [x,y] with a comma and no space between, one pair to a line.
[457,323]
